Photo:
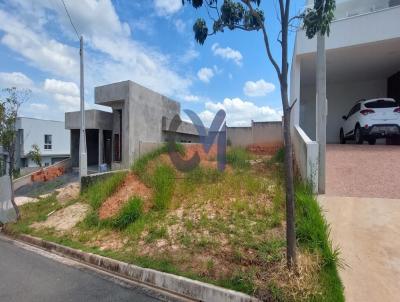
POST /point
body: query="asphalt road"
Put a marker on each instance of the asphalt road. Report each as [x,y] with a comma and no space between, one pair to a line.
[29,275]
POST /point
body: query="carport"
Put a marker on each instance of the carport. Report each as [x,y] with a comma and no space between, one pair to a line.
[364,71]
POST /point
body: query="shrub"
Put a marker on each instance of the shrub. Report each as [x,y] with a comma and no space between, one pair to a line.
[97,193]
[129,213]
[279,156]
[163,184]
[238,158]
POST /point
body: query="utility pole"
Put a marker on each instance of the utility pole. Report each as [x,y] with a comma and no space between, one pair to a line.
[321,110]
[82,143]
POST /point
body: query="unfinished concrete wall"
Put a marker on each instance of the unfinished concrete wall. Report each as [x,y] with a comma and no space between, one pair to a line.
[146,110]
[258,133]
[240,136]
[267,132]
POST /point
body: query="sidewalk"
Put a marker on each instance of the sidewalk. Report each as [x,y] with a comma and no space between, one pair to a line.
[367,231]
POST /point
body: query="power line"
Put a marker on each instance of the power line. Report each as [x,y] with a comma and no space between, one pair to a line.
[70,20]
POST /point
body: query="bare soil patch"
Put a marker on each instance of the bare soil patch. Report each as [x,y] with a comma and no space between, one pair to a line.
[69,192]
[265,149]
[65,219]
[131,186]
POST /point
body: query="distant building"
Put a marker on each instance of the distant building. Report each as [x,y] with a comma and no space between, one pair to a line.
[51,137]
[140,120]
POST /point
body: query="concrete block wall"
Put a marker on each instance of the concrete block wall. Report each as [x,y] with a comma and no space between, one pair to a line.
[258,133]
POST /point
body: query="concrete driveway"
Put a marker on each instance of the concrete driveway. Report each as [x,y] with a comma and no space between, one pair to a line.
[367,231]
[363,170]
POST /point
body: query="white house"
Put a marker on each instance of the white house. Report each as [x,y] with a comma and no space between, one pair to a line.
[51,137]
[363,61]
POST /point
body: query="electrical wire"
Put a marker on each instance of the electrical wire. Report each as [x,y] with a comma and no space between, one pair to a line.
[70,19]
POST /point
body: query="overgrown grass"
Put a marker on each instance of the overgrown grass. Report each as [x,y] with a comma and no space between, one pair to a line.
[34,212]
[140,165]
[238,158]
[163,182]
[97,193]
[129,213]
[312,232]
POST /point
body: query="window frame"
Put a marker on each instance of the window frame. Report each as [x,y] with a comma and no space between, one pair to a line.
[48,145]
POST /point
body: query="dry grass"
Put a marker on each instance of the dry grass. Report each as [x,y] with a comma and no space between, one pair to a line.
[225,228]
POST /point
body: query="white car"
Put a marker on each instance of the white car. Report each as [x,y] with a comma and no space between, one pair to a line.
[371,119]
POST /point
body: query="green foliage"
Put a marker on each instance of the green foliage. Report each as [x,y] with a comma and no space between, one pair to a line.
[203,175]
[139,166]
[97,193]
[238,158]
[163,182]
[231,15]
[279,156]
[318,19]
[34,154]
[312,232]
[129,213]
[9,106]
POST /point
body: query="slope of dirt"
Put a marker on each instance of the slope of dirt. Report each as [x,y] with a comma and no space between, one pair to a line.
[66,218]
[131,186]
[68,192]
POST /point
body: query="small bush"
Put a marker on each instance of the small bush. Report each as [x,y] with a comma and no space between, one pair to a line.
[97,193]
[279,156]
[129,213]
[163,182]
[238,158]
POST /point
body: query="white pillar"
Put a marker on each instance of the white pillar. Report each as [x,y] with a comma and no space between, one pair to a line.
[321,109]
[82,143]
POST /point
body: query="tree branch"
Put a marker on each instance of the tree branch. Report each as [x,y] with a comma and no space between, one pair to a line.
[266,39]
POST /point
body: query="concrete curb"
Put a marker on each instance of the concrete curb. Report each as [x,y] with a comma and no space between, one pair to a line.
[185,287]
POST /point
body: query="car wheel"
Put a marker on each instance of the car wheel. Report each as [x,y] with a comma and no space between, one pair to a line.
[358,135]
[342,138]
[372,141]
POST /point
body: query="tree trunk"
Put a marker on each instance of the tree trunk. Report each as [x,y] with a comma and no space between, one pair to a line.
[290,216]
[10,172]
[289,186]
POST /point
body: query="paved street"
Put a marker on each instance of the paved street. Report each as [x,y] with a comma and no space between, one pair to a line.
[28,276]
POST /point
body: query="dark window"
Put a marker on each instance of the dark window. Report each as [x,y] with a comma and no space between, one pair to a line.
[117,148]
[48,141]
[381,104]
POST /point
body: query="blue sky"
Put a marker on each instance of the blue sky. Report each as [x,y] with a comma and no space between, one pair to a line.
[147,41]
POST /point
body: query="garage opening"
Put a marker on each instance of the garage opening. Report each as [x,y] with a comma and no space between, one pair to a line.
[362,72]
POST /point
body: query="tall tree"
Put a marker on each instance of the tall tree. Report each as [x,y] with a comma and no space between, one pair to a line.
[10,102]
[247,15]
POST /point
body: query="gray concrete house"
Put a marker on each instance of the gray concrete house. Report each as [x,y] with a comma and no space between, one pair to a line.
[138,122]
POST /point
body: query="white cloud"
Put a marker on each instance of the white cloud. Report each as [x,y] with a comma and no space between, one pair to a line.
[205,74]
[40,51]
[61,87]
[38,107]
[66,94]
[227,53]
[180,25]
[239,112]
[258,88]
[167,7]
[102,30]
[191,98]
[15,79]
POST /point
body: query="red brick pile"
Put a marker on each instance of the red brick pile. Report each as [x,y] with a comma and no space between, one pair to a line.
[47,174]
